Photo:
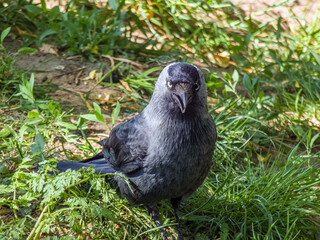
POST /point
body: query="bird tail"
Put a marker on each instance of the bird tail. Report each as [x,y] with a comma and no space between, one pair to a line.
[98,162]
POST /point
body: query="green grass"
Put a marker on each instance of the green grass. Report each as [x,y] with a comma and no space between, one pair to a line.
[266,175]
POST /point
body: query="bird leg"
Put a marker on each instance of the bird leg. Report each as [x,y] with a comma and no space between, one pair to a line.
[175,202]
[154,213]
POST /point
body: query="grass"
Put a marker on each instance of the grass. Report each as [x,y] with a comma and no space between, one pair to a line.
[265,180]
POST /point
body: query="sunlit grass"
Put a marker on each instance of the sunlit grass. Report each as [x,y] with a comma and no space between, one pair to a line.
[265,180]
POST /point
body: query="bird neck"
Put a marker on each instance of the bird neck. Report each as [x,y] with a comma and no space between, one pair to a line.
[165,115]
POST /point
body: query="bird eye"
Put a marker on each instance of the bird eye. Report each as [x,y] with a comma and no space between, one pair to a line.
[169,84]
[196,87]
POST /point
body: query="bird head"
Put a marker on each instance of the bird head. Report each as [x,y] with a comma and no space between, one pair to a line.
[184,86]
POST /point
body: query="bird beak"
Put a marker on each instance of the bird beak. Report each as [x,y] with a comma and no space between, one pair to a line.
[182,100]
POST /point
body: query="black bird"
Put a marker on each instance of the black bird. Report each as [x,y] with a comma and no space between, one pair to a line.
[166,151]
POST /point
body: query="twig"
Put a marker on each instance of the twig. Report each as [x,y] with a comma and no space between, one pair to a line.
[123,60]
[71,90]
[78,75]
[69,72]
[73,57]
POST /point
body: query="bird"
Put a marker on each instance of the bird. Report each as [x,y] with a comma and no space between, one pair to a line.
[166,151]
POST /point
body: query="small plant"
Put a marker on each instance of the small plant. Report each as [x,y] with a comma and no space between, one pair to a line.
[8,75]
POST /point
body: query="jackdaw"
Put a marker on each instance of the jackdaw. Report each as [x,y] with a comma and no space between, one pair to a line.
[166,151]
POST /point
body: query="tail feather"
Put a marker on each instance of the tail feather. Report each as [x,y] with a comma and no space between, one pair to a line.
[98,161]
[96,157]
[100,165]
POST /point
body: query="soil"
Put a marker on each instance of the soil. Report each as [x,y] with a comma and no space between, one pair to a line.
[68,81]
[303,9]
[72,76]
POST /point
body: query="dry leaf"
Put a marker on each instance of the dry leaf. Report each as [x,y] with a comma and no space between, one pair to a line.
[222,59]
[92,75]
[22,32]
[126,85]
[48,48]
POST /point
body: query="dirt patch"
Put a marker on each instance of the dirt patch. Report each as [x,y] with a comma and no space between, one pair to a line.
[71,76]
[73,82]
[268,10]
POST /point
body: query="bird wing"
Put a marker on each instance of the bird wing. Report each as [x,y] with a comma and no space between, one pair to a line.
[125,148]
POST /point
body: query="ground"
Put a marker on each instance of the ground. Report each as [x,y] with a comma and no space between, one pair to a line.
[74,76]
[255,130]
